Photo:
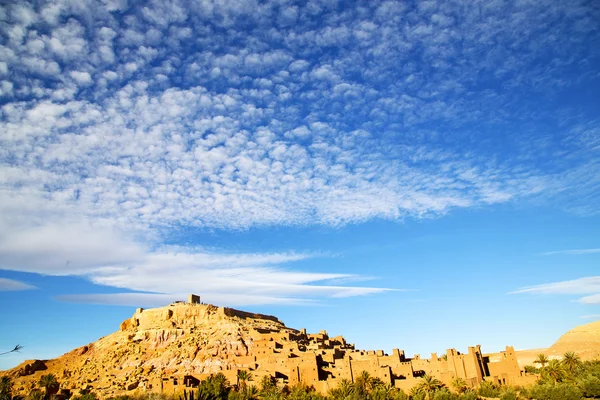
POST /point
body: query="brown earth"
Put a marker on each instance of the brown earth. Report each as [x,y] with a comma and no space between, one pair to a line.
[584,340]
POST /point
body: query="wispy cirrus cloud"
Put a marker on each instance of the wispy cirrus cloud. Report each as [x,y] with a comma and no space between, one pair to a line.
[13,285]
[587,285]
[107,257]
[572,252]
[593,299]
[591,316]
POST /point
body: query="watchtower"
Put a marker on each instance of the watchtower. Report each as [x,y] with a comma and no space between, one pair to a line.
[193,299]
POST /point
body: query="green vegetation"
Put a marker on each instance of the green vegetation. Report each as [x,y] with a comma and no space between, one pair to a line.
[243,377]
[460,385]
[35,394]
[542,360]
[49,383]
[530,369]
[86,396]
[6,387]
[568,379]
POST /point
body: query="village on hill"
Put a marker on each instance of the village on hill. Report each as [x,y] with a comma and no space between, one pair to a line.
[185,347]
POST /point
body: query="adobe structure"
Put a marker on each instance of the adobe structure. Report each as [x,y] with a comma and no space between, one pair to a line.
[172,348]
[295,356]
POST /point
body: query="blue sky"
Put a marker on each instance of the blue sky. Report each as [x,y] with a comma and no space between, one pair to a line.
[420,175]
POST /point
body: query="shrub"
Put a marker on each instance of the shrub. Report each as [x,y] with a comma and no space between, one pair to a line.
[444,394]
[530,369]
[590,386]
[470,395]
[233,395]
[303,392]
[560,391]
[35,394]
[6,387]
[488,389]
[508,393]
[87,396]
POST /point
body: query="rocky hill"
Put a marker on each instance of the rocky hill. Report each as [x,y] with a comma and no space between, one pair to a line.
[178,339]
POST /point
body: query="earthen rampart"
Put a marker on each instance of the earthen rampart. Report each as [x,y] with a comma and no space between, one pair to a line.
[231,312]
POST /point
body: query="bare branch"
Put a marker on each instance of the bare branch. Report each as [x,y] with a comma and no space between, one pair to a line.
[15,350]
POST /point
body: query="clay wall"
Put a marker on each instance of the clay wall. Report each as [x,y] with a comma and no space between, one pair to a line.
[406,384]
[231,312]
[246,362]
[340,370]
[506,367]
[404,370]
[419,364]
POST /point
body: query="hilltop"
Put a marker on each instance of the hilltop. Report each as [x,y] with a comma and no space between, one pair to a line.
[167,341]
[583,340]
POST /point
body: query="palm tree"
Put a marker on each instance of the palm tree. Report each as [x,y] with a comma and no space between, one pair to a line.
[6,386]
[364,383]
[214,387]
[35,394]
[343,390]
[554,371]
[571,360]
[460,385]
[267,384]
[204,394]
[49,383]
[243,377]
[271,395]
[382,392]
[428,386]
[251,393]
[541,359]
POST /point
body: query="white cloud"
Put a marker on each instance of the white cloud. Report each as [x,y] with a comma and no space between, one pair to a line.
[192,119]
[299,66]
[591,316]
[585,285]
[572,252]
[81,77]
[13,285]
[593,299]
[106,257]
[588,285]
[66,249]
